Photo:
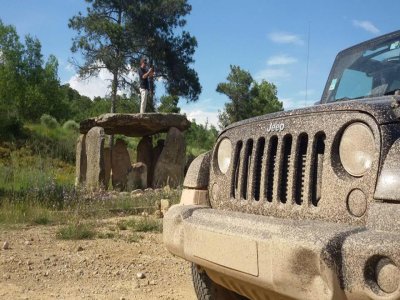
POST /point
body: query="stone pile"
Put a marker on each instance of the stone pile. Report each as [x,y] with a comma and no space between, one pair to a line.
[156,166]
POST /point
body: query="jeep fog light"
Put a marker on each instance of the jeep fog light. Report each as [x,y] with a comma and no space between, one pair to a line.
[387,275]
[224,155]
[357,149]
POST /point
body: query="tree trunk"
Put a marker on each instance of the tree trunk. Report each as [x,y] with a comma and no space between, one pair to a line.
[114,89]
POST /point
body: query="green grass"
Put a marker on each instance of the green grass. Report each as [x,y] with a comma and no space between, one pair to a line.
[26,212]
[76,231]
[141,224]
[42,220]
[122,225]
[106,235]
[147,225]
[37,184]
[134,238]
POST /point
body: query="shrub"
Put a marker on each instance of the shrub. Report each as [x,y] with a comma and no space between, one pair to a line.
[71,125]
[76,232]
[49,121]
[11,128]
[147,224]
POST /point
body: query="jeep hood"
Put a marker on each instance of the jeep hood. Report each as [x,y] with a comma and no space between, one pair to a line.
[380,108]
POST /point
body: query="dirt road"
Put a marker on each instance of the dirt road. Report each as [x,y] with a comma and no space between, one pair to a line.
[37,265]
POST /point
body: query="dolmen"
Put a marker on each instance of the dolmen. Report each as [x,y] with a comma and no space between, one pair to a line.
[158,163]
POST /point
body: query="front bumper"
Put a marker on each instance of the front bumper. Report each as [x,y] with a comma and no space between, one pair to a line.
[265,257]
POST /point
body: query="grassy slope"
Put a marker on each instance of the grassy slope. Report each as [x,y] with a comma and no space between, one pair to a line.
[37,180]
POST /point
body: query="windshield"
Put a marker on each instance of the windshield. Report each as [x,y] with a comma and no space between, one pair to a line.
[369,71]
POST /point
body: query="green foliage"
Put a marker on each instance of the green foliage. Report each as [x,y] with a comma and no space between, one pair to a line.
[11,127]
[58,143]
[28,212]
[42,220]
[71,125]
[49,121]
[29,87]
[29,178]
[134,238]
[115,34]
[106,235]
[248,98]
[146,224]
[169,104]
[200,138]
[76,231]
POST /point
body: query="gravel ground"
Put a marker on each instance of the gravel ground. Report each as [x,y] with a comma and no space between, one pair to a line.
[37,265]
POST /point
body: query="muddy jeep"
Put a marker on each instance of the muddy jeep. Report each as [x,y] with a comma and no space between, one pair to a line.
[302,204]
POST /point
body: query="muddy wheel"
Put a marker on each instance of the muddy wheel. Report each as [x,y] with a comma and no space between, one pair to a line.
[206,289]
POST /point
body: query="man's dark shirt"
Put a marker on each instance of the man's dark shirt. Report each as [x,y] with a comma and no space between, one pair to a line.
[144,82]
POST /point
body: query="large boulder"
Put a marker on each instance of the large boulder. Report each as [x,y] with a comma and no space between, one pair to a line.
[170,166]
[95,173]
[81,160]
[137,177]
[120,164]
[145,155]
[136,124]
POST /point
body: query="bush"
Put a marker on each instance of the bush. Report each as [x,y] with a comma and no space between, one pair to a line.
[49,121]
[76,232]
[56,143]
[11,128]
[71,125]
[147,224]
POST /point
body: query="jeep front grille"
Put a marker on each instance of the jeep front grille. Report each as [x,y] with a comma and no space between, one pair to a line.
[275,169]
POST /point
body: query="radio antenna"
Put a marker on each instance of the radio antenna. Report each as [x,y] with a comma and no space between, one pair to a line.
[308,61]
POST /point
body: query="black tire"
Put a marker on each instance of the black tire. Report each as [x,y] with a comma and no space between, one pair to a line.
[206,289]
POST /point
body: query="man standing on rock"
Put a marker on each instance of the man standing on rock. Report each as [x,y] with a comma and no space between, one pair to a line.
[144,74]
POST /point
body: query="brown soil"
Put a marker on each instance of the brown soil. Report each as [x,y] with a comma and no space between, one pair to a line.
[40,266]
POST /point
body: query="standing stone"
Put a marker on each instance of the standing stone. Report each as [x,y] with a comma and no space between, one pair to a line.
[81,160]
[137,177]
[95,174]
[120,165]
[157,150]
[170,166]
[107,166]
[145,155]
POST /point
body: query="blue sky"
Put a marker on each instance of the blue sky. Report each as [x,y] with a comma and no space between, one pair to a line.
[267,38]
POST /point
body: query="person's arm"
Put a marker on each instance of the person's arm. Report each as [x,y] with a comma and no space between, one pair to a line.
[148,74]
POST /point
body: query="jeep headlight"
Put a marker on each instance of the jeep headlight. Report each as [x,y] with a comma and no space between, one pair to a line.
[357,149]
[224,152]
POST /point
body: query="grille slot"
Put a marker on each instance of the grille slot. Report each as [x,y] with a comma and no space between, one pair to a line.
[285,163]
[258,167]
[270,169]
[276,170]
[246,169]
[235,170]
[317,167]
[300,169]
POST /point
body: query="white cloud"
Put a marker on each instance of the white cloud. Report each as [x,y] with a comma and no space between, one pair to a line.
[367,26]
[270,74]
[99,86]
[94,86]
[288,103]
[201,116]
[285,38]
[282,59]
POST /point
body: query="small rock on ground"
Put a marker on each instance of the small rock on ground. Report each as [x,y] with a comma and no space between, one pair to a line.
[6,245]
